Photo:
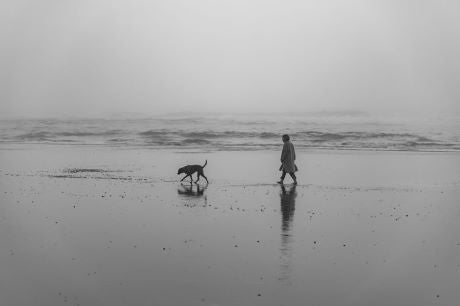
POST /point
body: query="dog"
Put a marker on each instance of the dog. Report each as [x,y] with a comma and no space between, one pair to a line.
[190,169]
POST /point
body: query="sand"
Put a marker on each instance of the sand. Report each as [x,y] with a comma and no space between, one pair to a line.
[111,226]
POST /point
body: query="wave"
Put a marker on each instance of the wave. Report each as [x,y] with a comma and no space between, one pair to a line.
[41,135]
[154,133]
[47,135]
[201,137]
[82,134]
[198,141]
[319,136]
[163,133]
[229,134]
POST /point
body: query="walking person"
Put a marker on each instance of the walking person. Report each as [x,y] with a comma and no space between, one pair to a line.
[287,160]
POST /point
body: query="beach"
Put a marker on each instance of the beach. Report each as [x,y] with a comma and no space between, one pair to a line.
[102,103]
[99,225]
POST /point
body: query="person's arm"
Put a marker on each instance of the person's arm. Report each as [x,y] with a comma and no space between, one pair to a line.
[284,153]
[293,151]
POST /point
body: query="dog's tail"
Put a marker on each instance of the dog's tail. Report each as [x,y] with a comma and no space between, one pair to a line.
[205,164]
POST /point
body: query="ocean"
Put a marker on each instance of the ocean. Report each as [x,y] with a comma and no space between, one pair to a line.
[227,132]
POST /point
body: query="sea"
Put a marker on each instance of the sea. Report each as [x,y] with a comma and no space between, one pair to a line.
[229,132]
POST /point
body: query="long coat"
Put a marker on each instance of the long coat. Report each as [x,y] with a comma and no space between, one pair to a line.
[288,158]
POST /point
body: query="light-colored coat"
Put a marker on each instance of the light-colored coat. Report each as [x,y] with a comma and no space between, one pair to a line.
[288,158]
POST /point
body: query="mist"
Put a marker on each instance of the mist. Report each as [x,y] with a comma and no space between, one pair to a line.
[63,58]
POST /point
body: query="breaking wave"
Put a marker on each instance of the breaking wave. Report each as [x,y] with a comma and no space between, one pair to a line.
[232,134]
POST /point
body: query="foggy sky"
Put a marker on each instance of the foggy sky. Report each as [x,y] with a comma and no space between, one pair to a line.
[62,57]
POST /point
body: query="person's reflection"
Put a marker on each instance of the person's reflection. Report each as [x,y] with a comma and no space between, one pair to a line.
[287,196]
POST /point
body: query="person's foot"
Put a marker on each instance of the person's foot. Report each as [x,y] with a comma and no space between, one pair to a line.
[295,182]
[280,182]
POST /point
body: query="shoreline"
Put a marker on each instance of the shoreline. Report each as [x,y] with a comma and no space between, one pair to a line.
[189,149]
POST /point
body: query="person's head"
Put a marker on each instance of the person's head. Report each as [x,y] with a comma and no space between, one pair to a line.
[285,137]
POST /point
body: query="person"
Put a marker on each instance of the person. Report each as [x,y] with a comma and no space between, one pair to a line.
[287,160]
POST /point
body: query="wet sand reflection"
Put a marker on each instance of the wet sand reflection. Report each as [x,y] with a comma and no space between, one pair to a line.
[287,199]
[193,193]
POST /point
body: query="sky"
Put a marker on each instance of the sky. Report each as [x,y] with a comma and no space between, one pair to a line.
[87,57]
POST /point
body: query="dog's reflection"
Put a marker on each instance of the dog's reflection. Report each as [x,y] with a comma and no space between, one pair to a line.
[191,190]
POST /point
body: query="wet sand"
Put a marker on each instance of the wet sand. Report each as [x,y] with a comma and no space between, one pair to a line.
[107,226]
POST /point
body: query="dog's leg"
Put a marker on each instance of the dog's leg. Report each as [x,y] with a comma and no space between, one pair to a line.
[197,177]
[183,178]
[191,179]
[205,178]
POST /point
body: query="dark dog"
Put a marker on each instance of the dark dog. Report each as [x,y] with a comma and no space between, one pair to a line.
[190,169]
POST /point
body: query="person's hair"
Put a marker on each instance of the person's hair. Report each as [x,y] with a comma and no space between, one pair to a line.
[286,136]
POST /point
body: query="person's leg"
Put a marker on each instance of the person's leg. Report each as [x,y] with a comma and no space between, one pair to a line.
[292,174]
[282,177]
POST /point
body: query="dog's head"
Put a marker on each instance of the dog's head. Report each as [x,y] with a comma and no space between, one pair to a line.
[181,170]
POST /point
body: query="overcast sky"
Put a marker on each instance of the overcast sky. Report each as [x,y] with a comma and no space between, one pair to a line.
[86,57]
